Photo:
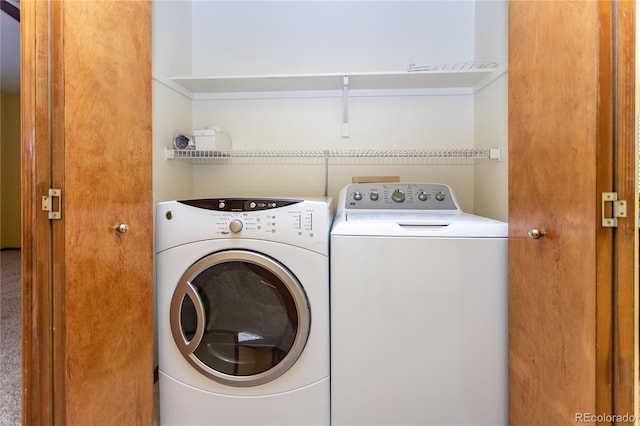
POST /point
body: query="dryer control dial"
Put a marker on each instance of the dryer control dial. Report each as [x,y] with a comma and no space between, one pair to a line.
[236,226]
[398,196]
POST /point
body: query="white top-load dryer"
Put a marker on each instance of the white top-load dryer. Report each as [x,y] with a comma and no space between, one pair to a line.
[418,309]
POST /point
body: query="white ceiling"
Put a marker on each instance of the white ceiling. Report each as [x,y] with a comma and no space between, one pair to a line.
[9,52]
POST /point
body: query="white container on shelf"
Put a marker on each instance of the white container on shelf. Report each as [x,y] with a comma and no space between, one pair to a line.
[211,139]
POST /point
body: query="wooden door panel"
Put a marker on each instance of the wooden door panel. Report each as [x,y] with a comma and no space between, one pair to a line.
[553,106]
[35,179]
[624,287]
[87,290]
[107,181]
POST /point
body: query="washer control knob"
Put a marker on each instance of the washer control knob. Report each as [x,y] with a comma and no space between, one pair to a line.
[357,195]
[423,196]
[440,196]
[235,226]
[397,196]
[374,196]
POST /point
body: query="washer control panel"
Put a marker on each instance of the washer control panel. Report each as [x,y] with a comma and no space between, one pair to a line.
[399,196]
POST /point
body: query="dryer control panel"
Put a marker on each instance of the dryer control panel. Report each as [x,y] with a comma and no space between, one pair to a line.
[399,196]
[294,221]
[258,215]
[239,204]
[301,222]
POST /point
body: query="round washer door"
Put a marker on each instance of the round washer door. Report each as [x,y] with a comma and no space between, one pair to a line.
[240,317]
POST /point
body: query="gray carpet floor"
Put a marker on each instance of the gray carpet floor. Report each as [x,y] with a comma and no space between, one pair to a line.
[10,340]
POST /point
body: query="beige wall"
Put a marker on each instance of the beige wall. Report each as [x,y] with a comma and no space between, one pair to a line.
[417,118]
[10,170]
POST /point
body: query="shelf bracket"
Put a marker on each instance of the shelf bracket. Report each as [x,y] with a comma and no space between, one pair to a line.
[345,106]
[495,153]
[169,154]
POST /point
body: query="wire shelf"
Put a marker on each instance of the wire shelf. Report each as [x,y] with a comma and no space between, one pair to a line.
[419,156]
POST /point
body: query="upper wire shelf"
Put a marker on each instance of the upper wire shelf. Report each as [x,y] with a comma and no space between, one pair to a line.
[465,76]
[446,155]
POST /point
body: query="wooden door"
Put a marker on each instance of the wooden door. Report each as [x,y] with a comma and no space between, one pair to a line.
[571,137]
[87,310]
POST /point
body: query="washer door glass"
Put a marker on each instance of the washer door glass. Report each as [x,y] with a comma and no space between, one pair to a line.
[240,317]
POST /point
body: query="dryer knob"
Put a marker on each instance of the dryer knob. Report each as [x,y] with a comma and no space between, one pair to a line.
[235,226]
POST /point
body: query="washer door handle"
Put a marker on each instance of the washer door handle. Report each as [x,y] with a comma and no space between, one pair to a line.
[186,289]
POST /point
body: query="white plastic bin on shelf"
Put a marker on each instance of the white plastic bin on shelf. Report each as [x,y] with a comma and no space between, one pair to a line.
[211,139]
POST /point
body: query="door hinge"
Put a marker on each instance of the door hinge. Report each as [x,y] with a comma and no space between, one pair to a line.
[48,204]
[619,209]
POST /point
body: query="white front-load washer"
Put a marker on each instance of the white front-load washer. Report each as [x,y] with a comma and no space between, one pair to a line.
[418,309]
[243,311]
